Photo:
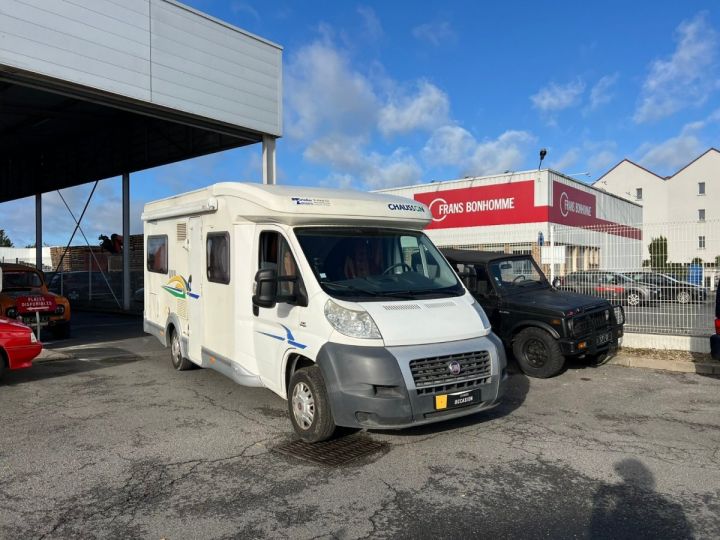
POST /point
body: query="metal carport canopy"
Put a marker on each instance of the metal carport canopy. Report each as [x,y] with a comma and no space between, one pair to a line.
[94,89]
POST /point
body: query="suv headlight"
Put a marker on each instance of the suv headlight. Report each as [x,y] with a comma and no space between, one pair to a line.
[619,315]
[357,324]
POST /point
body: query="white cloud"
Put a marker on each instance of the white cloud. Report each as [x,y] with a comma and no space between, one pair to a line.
[673,153]
[568,159]
[453,145]
[243,8]
[353,165]
[601,92]
[324,94]
[556,97]
[435,33]
[371,22]
[684,79]
[600,161]
[427,109]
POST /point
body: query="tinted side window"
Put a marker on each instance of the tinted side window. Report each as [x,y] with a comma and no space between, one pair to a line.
[157,259]
[218,257]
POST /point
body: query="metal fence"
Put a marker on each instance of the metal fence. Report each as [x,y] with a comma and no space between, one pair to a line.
[665,274]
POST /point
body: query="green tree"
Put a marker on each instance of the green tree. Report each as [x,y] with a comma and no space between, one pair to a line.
[658,252]
[5,240]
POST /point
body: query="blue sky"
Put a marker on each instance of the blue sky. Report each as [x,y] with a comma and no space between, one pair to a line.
[380,94]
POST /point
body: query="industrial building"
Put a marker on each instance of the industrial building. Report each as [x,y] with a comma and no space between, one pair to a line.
[565,224]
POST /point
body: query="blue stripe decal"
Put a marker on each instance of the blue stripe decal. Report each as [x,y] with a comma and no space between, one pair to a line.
[289,338]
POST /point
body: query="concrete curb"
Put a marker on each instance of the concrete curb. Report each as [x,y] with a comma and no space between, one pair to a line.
[710,367]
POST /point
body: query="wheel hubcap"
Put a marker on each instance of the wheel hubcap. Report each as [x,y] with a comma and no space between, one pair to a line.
[683,297]
[175,350]
[633,299]
[535,353]
[303,405]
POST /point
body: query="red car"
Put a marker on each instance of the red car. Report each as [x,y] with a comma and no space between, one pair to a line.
[18,345]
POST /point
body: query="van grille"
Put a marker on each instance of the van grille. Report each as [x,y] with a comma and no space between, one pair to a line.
[433,375]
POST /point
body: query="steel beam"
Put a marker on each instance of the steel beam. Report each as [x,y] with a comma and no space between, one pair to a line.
[126,239]
[268,159]
[38,232]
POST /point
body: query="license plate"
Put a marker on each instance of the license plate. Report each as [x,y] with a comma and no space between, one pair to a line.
[604,338]
[453,401]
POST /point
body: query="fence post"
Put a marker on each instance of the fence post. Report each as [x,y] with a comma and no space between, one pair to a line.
[552,253]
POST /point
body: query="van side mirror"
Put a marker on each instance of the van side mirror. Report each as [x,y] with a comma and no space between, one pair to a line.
[265,288]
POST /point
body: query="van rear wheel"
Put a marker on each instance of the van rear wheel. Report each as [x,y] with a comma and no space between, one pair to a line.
[178,362]
[538,353]
[309,405]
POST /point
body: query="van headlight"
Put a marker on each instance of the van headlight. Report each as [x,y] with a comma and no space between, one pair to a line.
[357,324]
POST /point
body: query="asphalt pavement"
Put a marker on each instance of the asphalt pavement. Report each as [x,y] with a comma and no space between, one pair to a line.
[112,443]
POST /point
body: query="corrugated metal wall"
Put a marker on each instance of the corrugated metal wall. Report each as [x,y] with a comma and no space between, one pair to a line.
[157,51]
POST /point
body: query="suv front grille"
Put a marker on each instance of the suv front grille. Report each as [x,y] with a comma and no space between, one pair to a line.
[589,323]
[433,375]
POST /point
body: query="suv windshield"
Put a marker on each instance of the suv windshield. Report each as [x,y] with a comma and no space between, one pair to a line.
[21,280]
[375,264]
[514,275]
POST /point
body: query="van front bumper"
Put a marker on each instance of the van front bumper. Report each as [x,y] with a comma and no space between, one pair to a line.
[373,387]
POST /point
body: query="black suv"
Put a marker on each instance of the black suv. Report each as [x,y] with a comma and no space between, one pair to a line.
[540,324]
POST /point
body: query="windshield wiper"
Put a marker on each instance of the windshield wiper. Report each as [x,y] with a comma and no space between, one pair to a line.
[351,288]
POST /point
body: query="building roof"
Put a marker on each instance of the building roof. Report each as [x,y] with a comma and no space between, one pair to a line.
[711,149]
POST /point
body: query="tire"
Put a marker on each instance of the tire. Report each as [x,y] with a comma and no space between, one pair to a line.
[633,298]
[683,297]
[178,361]
[61,331]
[309,405]
[3,360]
[538,353]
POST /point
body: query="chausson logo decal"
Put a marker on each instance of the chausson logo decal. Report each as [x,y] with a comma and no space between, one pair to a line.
[288,337]
[179,288]
[409,207]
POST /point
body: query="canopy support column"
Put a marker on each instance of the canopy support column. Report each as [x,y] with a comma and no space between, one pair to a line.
[268,159]
[126,239]
[38,232]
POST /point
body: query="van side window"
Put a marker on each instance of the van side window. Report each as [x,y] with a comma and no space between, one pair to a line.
[275,253]
[156,259]
[218,257]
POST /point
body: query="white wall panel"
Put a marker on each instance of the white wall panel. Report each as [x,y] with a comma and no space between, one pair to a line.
[106,47]
[157,51]
[207,68]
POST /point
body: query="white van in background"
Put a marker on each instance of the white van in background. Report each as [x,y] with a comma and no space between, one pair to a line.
[333,299]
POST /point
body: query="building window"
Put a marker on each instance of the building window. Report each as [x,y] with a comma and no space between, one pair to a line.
[218,257]
[638,194]
[701,242]
[701,214]
[701,188]
[156,259]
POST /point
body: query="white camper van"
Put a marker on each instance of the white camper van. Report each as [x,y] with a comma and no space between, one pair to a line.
[333,299]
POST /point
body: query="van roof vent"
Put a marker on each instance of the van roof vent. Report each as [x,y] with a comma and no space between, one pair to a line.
[181,232]
[401,307]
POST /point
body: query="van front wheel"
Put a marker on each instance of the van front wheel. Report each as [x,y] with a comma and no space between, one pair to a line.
[309,405]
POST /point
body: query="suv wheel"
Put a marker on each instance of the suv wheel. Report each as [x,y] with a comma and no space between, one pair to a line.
[538,353]
[633,298]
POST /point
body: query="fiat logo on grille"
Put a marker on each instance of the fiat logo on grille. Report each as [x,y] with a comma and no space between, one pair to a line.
[454,367]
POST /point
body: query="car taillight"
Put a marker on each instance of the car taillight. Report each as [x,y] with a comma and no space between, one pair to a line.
[717,326]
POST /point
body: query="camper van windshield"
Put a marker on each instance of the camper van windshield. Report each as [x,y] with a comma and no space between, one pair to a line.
[376,264]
